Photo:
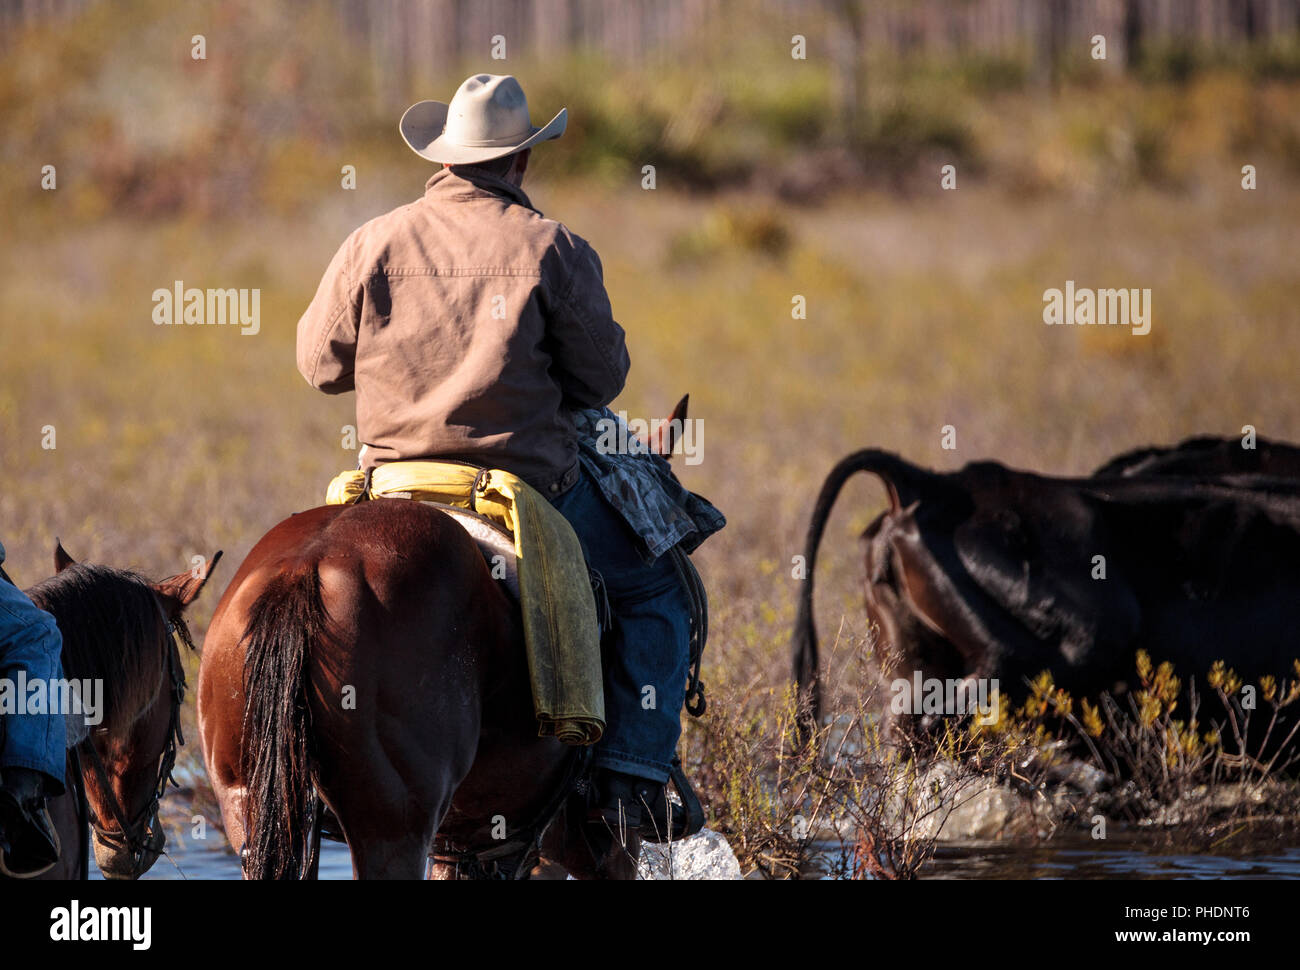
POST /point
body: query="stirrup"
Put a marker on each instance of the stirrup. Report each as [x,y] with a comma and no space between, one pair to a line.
[43,816]
[684,823]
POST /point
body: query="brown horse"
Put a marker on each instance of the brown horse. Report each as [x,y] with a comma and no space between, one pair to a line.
[365,663]
[117,629]
[364,655]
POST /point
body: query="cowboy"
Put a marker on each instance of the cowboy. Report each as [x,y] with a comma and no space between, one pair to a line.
[32,745]
[474,329]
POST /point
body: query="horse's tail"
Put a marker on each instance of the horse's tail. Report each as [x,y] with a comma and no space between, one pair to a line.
[896,474]
[278,765]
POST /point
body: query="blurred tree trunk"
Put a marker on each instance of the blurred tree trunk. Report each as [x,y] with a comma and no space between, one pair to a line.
[1132,33]
[1244,19]
[848,67]
[1048,27]
[1114,18]
[554,26]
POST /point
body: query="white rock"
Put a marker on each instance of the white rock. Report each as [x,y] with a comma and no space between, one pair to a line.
[946,804]
[705,855]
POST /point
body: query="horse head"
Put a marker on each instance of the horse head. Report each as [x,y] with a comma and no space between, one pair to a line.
[119,647]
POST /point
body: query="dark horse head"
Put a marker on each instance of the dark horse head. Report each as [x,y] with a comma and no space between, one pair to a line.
[117,631]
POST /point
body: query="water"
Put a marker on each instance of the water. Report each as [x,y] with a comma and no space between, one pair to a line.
[1126,855]
[196,860]
[1122,857]
[1119,862]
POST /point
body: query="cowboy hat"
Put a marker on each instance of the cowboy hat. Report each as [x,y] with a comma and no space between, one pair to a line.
[487,119]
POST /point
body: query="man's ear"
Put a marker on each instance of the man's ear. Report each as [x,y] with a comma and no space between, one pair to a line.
[179,591]
[521,163]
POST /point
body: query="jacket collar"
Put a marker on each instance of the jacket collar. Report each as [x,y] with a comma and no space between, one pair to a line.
[470,183]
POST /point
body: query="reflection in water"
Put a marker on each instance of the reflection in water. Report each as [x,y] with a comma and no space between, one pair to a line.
[1121,857]
[194,860]
[1084,860]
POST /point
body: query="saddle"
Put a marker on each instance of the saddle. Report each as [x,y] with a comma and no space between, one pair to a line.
[531,548]
[496,545]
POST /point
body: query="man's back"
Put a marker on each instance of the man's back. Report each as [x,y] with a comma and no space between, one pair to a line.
[471,327]
[468,325]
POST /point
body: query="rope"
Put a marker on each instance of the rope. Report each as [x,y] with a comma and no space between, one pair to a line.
[696,704]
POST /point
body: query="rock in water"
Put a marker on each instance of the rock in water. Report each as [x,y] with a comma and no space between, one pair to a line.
[705,855]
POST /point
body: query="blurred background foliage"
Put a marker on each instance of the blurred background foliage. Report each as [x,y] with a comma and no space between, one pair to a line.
[706,90]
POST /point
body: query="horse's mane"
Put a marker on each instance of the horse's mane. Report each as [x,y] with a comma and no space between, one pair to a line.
[113,631]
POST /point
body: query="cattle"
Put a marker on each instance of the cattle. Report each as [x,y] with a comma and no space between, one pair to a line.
[990,572]
[1208,456]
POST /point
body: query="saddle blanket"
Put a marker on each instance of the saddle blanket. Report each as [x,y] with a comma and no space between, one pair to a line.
[561,630]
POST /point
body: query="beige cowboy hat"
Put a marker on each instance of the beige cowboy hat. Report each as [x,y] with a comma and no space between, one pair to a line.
[487,118]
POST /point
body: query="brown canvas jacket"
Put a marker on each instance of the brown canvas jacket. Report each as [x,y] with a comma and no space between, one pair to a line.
[469,326]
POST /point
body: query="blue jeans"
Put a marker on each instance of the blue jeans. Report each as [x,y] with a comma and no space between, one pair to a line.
[30,640]
[648,654]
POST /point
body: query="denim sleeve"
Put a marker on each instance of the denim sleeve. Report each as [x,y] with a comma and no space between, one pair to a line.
[30,642]
[17,612]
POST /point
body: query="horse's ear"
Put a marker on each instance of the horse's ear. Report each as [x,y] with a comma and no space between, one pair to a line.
[181,590]
[666,437]
[61,558]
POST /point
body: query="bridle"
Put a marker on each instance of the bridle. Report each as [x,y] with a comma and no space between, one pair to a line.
[142,834]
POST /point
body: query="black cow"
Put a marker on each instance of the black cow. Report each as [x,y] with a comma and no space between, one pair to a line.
[1208,456]
[988,571]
